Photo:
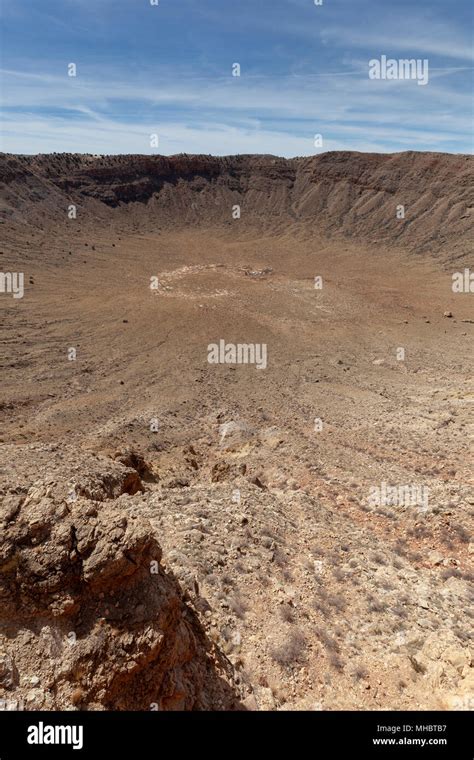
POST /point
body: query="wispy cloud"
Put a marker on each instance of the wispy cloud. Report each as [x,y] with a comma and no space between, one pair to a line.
[416,39]
[304,71]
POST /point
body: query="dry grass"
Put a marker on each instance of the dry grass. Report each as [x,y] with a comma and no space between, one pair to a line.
[286,613]
[293,651]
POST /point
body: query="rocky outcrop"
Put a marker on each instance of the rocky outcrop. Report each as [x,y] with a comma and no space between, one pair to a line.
[89,617]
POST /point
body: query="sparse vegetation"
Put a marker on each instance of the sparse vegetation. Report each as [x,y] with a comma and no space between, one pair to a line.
[328,641]
[336,662]
[360,673]
[378,558]
[461,533]
[292,651]
[377,606]
[238,606]
[287,613]
[297,573]
[339,575]
[451,572]
[280,557]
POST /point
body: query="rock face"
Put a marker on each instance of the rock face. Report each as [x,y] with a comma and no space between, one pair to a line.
[94,618]
[365,196]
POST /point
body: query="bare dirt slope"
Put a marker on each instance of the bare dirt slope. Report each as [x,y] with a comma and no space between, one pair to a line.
[279,583]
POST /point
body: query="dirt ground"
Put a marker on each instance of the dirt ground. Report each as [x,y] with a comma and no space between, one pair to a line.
[259,483]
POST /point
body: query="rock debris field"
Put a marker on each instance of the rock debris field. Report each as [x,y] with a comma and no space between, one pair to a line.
[236,410]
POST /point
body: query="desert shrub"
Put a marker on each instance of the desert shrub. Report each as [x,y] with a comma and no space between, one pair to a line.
[339,574]
[286,613]
[324,601]
[212,579]
[451,572]
[462,635]
[385,512]
[337,601]
[264,579]
[279,557]
[292,651]
[419,531]
[238,606]
[462,534]
[377,606]
[400,547]
[319,606]
[387,586]
[399,611]
[336,662]
[360,672]
[268,533]
[326,640]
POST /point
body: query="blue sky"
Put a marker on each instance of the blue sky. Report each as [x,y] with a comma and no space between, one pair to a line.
[167,70]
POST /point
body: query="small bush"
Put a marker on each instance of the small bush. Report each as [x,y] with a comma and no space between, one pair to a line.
[338,602]
[451,572]
[461,533]
[279,557]
[286,613]
[292,651]
[238,607]
[399,611]
[360,673]
[327,641]
[377,606]
[336,662]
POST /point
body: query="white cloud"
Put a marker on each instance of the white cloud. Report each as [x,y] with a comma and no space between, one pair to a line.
[414,33]
[226,115]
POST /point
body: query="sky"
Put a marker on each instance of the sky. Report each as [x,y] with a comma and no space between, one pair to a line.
[160,78]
